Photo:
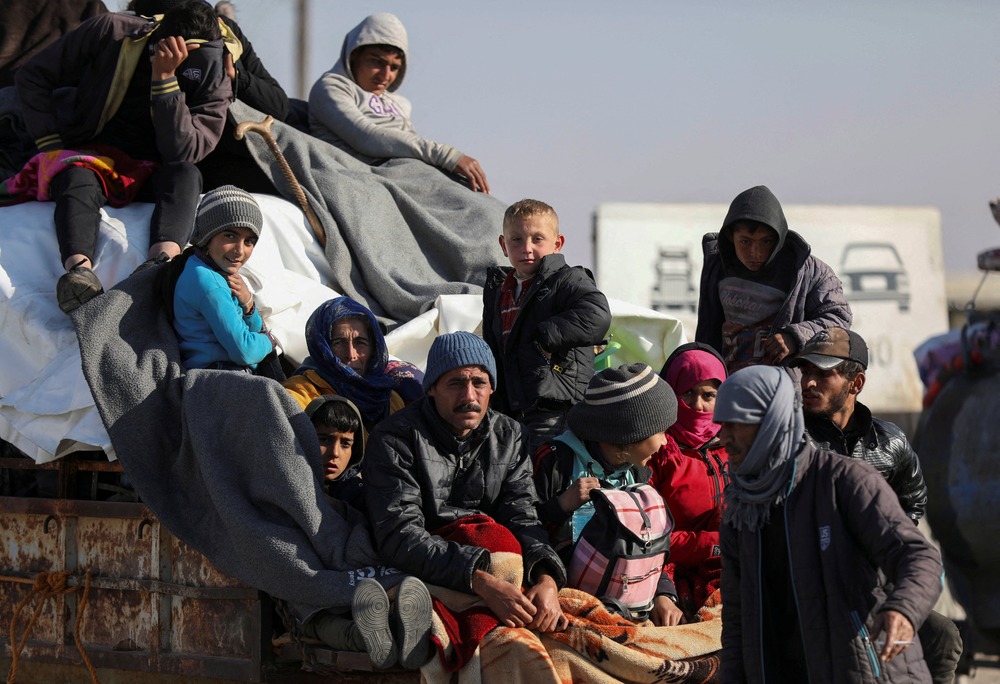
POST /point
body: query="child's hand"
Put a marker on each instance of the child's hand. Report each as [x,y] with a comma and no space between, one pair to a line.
[578,493]
[169,54]
[665,612]
[239,288]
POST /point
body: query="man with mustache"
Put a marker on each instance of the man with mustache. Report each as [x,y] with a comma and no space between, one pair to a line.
[833,365]
[446,457]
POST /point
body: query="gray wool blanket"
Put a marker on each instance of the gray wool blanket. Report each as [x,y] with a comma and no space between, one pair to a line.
[398,234]
[227,461]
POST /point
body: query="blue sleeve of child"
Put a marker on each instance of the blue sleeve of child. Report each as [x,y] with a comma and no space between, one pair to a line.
[253,321]
[239,335]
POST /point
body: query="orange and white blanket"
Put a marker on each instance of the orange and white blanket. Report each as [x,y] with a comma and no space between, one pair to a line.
[598,646]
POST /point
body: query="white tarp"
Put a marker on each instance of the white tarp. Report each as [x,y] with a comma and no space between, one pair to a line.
[46,409]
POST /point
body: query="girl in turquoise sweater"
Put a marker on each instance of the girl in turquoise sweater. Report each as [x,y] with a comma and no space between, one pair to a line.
[215,317]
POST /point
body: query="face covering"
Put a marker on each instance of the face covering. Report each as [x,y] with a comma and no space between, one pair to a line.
[693,428]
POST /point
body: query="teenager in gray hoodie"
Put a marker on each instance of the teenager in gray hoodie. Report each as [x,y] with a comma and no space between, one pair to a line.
[355,106]
[763,294]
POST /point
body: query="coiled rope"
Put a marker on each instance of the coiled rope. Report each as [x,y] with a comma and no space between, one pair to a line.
[47,584]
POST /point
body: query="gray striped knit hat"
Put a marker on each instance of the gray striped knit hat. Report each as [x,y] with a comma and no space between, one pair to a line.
[225,207]
[624,405]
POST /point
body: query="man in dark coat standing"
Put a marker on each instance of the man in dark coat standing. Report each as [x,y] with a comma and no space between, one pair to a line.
[824,578]
[833,365]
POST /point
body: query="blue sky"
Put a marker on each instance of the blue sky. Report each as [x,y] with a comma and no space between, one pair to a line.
[578,103]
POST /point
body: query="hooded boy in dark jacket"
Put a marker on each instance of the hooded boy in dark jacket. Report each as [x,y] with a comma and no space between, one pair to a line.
[136,91]
[342,437]
[763,294]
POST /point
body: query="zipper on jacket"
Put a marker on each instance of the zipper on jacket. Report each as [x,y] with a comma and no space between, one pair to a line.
[760,605]
[716,470]
[859,625]
[626,579]
[795,594]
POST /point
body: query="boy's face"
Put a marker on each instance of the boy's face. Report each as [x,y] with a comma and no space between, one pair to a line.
[526,240]
[753,249]
[375,68]
[231,248]
[336,449]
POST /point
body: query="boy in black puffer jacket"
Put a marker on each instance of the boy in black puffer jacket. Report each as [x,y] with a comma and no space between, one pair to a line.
[542,319]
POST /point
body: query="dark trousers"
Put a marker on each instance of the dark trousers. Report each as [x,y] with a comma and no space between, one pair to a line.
[942,646]
[230,163]
[174,188]
[543,426]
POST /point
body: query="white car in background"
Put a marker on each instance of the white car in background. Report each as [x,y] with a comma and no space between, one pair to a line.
[873,271]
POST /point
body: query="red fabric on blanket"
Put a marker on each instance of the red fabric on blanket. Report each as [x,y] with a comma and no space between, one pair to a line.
[121,176]
[467,628]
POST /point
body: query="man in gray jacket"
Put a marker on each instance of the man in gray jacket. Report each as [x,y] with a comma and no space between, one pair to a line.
[824,578]
[355,106]
[833,365]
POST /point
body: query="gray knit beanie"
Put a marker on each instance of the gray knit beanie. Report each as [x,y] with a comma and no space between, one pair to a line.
[225,207]
[455,350]
[624,405]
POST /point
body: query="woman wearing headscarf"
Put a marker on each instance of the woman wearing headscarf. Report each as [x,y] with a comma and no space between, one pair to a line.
[613,433]
[824,577]
[348,356]
[689,471]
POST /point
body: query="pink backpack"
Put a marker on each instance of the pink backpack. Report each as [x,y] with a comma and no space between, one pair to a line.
[623,548]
